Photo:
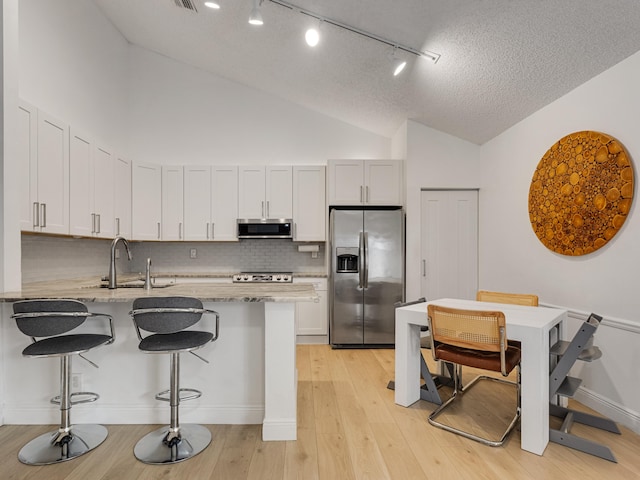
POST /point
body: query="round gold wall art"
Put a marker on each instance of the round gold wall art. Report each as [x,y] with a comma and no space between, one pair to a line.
[581,193]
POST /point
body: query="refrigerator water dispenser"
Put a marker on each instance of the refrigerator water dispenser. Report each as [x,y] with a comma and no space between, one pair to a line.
[347,259]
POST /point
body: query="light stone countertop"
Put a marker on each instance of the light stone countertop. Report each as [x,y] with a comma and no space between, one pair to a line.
[88,290]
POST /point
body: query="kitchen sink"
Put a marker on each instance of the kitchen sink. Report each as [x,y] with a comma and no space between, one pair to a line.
[137,285]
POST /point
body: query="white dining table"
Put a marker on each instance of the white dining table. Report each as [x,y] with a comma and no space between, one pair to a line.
[529,325]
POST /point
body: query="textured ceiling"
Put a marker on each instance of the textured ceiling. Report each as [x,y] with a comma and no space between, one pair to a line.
[501,60]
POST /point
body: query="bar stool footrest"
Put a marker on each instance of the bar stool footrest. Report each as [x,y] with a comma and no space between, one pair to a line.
[90,397]
[189,394]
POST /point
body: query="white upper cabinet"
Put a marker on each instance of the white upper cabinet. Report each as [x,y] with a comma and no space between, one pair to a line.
[146,211]
[122,197]
[365,182]
[210,203]
[91,187]
[265,192]
[81,213]
[27,132]
[309,205]
[224,203]
[172,202]
[279,192]
[104,191]
[197,202]
[49,191]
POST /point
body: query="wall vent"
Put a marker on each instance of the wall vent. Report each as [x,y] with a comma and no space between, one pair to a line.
[188,4]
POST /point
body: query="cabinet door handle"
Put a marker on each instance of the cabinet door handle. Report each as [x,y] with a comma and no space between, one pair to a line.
[98,219]
[117,226]
[36,214]
[180,231]
[267,208]
[43,213]
[93,223]
[424,268]
[158,230]
[262,215]
[213,229]
[361,195]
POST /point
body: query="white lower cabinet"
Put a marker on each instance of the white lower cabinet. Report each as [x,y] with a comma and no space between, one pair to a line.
[312,325]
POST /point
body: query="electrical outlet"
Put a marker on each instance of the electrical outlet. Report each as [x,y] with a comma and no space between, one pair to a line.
[193,253]
[76,382]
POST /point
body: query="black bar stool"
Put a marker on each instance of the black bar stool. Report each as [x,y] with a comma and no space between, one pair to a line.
[168,320]
[48,322]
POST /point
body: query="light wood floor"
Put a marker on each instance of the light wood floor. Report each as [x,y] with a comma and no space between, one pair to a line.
[348,428]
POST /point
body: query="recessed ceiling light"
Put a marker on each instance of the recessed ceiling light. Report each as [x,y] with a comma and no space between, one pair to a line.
[214,5]
[312,37]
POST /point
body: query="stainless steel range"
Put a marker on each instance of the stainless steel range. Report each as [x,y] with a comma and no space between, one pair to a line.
[263,277]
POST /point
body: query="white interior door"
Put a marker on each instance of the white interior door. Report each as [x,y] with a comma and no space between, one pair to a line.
[449,244]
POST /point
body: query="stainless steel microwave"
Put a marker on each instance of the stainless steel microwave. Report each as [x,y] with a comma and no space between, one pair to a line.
[265,228]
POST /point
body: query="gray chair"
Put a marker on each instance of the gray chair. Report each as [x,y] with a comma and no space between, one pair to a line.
[562,385]
[432,382]
[48,323]
[167,321]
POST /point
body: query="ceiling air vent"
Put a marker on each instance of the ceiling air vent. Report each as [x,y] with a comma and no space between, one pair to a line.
[188,4]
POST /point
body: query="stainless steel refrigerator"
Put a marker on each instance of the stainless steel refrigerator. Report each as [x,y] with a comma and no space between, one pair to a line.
[367,275]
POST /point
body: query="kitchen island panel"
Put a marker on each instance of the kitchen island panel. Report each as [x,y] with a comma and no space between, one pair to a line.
[251,377]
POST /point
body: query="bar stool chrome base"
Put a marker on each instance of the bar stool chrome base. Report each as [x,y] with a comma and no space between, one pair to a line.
[163,446]
[60,446]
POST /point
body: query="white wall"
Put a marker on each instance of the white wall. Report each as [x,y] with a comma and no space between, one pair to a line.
[605,282]
[434,160]
[183,115]
[73,65]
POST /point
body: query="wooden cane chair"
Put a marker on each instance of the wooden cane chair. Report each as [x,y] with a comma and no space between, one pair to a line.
[478,339]
[503,297]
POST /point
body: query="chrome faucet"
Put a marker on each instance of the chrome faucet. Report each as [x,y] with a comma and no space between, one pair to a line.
[112,264]
[147,277]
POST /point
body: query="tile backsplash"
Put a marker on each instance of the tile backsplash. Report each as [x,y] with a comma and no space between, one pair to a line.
[50,258]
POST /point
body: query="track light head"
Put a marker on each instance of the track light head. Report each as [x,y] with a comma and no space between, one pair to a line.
[398,66]
[255,18]
[312,37]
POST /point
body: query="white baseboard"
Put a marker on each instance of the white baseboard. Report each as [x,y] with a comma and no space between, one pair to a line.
[280,429]
[143,414]
[607,408]
[595,400]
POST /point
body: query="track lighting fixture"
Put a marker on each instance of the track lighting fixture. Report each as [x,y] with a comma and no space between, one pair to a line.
[256,16]
[312,35]
[372,36]
[399,67]
[398,63]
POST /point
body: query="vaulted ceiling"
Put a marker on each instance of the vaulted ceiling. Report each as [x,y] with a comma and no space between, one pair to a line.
[501,60]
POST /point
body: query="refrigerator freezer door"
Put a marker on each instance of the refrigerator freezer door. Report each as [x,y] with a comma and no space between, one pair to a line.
[385,267]
[347,297]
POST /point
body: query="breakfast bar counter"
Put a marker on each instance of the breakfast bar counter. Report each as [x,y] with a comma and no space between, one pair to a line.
[251,377]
